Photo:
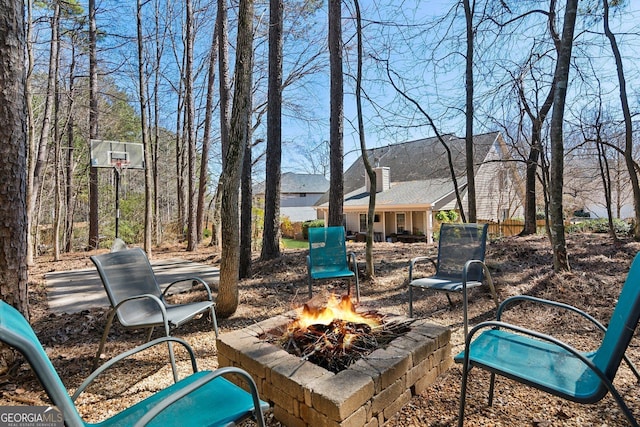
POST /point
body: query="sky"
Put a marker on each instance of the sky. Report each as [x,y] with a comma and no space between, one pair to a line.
[432,74]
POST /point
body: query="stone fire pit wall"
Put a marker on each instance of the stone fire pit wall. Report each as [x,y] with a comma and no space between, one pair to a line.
[368,393]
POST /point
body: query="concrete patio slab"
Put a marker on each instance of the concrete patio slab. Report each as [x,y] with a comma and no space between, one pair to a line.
[74,291]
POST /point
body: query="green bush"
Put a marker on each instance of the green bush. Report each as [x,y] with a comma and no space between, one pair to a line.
[600,225]
[447,216]
[311,224]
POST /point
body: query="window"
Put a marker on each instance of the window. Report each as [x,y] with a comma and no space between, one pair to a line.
[363,223]
[400,222]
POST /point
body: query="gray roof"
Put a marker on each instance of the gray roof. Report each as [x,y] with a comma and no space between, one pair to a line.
[298,183]
[420,159]
[425,192]
[423,162]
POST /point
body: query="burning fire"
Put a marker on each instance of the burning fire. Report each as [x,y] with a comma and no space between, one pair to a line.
[337,308]
[336,335]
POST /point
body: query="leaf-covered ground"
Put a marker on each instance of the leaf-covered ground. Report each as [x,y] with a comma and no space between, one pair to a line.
[518,265]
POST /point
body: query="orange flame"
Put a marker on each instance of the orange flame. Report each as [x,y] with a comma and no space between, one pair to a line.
[336,309]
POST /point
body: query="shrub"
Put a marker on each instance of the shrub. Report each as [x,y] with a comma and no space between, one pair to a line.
[447,216]
[600,225]
[311,224]
[286,227]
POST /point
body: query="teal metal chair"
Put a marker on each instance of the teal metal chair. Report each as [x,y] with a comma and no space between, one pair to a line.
[137,300]
[459,266]
[203,398]
[548,364]
[328,258]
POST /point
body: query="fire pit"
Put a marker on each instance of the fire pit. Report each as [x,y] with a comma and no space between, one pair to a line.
[367,391]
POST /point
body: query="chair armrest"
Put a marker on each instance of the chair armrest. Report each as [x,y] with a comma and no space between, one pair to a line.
[158,301]
[417,260]
[108,364]
[511,300]
[538,335]
[309,263]
[351,258]
[195,281]
[177,395]
[534,334]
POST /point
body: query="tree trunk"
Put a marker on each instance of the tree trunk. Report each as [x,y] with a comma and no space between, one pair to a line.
[13,133]
[225,118]
[146,141]
[227,300]
[38,158]
[336,126]
[363,148]
[271,232]
[206,143]
[94,238]
[471,180]
[69,167]
[537,120]
[561,81]
[246,208]
[192,238]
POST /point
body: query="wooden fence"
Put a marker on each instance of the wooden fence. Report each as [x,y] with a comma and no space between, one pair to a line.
[511,227]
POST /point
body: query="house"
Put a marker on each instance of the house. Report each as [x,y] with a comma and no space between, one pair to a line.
[298,194]
[414,183]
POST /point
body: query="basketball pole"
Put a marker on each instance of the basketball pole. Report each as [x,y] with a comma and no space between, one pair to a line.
[116,170]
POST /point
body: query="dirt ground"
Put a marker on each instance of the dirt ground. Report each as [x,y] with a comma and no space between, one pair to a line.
[518,266]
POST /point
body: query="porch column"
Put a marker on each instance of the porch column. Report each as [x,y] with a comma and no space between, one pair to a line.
[429,227]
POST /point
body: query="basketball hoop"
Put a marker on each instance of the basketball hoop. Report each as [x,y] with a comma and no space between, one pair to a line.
[119,160]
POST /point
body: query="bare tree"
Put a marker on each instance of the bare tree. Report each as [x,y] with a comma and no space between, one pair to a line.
[38,157]
[626,113]
[469,8]
[561,82]
[225,113]
[192,238]
[146,140]
[206,137]
[13,196]
[336,127]
[271,235]
[94,238]
[363,148]
[227,300]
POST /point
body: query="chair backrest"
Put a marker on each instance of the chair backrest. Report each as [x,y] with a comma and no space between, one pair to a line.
[622,324]
[16,332]
[459,243]
[327,246]
[125,274]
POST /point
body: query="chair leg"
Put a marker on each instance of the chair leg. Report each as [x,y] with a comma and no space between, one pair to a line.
[492,288]
[214,320]
[463,392]
[410,301]
[310,287]
[450,302]
[149,334]
[103,340]
[492,384]
[357,288]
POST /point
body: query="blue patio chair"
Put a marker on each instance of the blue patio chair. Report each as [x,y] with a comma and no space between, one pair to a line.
[459,266]
[328,258]
[203,398]
[137,300]
[549,364]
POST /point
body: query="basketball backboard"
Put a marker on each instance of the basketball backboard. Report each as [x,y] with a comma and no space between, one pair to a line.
[109,154]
